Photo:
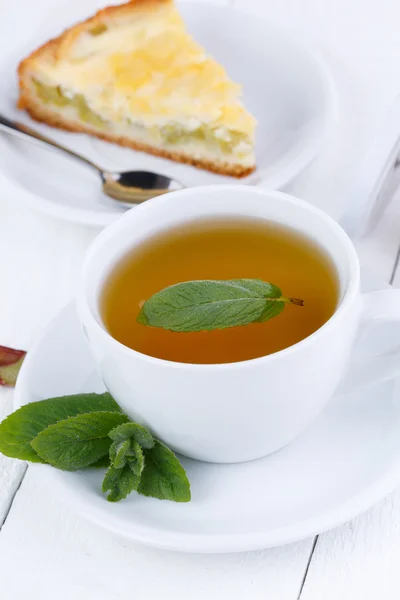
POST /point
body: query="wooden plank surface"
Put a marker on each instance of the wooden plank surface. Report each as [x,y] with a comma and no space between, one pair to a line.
[46,551]
[62,556]
[41,258]
[361,558]
[11,471]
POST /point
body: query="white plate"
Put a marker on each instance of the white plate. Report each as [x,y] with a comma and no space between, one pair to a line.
[286,86]
[347,460]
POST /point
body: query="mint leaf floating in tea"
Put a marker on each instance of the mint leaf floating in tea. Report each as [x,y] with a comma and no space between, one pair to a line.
[19,429]
[77,442]
[205,305]
[10,363]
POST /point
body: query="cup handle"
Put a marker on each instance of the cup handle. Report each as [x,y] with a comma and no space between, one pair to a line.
[378,307]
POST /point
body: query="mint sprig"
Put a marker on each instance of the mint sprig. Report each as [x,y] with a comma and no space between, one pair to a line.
[75,432]
[205,305]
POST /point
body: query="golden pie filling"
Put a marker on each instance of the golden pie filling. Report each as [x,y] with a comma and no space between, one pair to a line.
[219,138]
[54,95]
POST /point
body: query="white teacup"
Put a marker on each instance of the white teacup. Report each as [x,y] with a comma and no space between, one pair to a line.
[239,411]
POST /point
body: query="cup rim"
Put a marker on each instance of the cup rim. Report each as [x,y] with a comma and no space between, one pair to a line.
[109,233]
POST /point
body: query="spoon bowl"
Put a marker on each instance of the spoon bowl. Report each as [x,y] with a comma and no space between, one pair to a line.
[134,187]
[127,187]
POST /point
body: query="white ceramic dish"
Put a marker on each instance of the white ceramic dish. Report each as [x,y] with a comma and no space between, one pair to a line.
[286,86]
[347,460]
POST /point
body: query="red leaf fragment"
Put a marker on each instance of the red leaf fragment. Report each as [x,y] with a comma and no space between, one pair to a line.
[10,363]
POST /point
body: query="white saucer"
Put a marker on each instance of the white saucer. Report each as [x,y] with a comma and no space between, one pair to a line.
[347,460]
[285,84]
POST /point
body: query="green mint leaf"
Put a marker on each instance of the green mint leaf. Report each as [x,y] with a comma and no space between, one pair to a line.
[77,442]
[104,461]
[10,363]
[257,287]
[163,476]
[206,305]
[272,309]
[135,458]
[21,427]
[120,483]
[135,431]
[118,452]
[127,452]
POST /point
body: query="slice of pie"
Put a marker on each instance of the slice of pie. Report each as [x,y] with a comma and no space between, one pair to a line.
[133,75]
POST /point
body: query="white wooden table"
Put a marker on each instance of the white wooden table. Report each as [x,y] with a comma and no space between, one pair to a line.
[46,551]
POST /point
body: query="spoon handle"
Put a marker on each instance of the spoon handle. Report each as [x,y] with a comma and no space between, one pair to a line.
[27,133]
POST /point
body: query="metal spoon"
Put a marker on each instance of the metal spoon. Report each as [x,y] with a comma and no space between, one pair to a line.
[129,187]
